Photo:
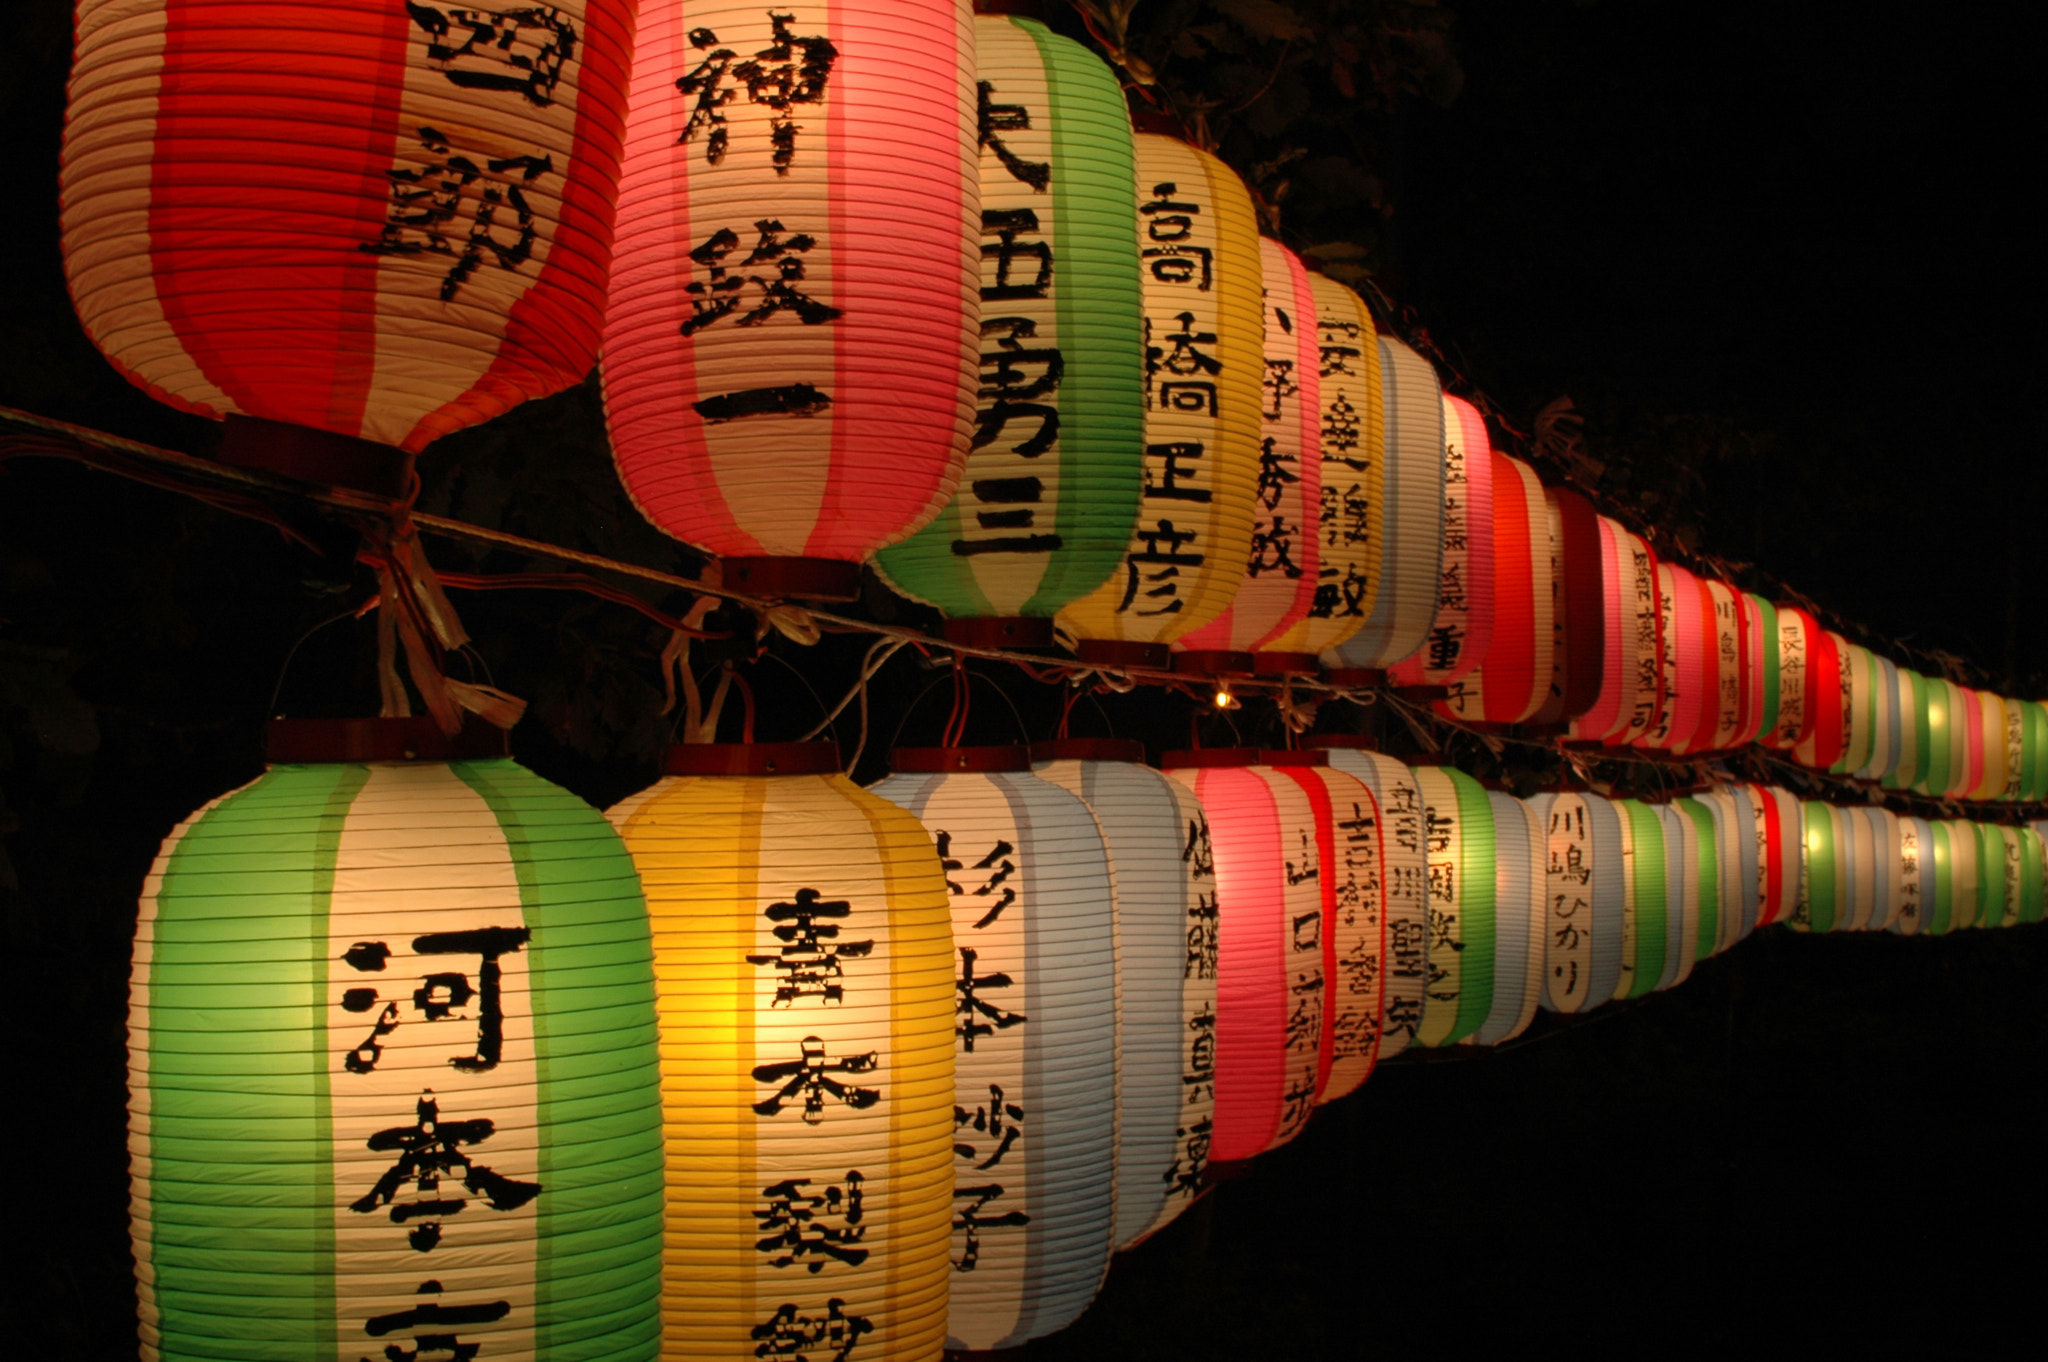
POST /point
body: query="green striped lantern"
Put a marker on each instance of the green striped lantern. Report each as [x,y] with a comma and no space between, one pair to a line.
[1460,878]
[1824,882]
[2033,895]
[1050,492]
[1997,878]
[392,1085]
[1764,655]
[1645,935]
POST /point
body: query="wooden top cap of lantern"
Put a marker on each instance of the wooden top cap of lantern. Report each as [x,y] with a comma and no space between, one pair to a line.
[751,759]
[294,742]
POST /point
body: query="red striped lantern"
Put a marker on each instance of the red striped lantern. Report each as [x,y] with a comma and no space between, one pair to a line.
[1513,678]
[382,221]
[790,350]
[1577,602]
[1686,678]
[1822,746]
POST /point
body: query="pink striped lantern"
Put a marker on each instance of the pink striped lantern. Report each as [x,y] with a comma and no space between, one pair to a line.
[1617,655]
[1279,586]
[1643,621]
[346,218]
[1513,678]
[1269,955]
[1729,692]
[1463,626]
[790,361]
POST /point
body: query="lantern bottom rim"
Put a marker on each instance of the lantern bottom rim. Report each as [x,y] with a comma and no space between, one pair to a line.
[811,579]
[1109,652]
[1000,631]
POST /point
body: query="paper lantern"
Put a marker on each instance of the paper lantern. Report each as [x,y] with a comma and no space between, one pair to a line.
[1050,490]
[1584,886]
[1862,861]
[1990,782]
[1518,921]
[1859,680]
[1823,886]
[1458,844]
[1513,678]
[1795,680]
[1914,875]
[385,222]
[2034,767]
[1349,832]
[1780,840]
[1992,875]
[1759,668]
[1281,572]
[2031,904]
[1719,911]
[1878,713]
[2017,755]
[1606,714]
[1684,865]
[1164,871]
[1821,747]
[1198,245]
[1399,798]
[1463,626]
[1644,910]
[1269,971]
[1743,868]
[789,349]
[803,965]
[1938,906]
[1411,542]
[1908,748]
[1351,433]
[1578,611]
[1035,1069]
[1731,663]
[392,1075]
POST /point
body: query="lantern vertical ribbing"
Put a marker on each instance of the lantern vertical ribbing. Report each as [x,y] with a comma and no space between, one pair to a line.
[1406,969]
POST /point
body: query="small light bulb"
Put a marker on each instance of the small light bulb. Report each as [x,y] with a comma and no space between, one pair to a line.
[1223,697]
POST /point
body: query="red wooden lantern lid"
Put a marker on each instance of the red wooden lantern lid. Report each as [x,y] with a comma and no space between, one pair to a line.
[916,760]
[298,741]
[751,759]
[1274,756]
[1089,749]
[1196,757]
[1356,677]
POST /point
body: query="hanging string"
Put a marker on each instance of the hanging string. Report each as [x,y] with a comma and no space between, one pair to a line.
[963,701]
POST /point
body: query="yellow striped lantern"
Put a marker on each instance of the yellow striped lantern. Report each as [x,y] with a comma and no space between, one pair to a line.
[1458,844]
[1204,328]
[1644,917]
[1966,874]
[1410,543]
[1050,490]
[1164,875]
[1034,1110]
[1583,885]
[1347,868]
[803,963]
[392,1076]
[1270,977]
[1518,919]
[1281,573]
[1937,916]
[1404,876]
[1989,738]
[1945,767]
[1913,874]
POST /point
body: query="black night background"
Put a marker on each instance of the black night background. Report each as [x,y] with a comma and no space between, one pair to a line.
[1784,260]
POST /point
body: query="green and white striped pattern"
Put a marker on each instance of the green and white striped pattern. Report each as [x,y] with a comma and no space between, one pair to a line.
[392,1073]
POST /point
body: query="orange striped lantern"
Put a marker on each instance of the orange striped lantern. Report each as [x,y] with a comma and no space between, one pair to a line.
[1281,574]
[790,349]
[380,221]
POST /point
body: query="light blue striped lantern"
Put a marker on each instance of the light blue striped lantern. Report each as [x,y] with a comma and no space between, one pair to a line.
[1035,1069]
[1742,862]
[1164,875]
[1518,920]
[392,1083]
[1585,885]
[1399,797]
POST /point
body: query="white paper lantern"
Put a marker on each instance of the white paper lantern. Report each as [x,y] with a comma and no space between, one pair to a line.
[1518,920]
[1166,939]
[1404,875]
[1035,1017]
[1585,887]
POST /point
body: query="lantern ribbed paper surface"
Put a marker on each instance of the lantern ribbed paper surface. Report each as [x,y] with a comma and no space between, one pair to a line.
[1404,872]
[1823,887]
[1683,866]
[1518,921]
[385,221]
[1688,674]
[1458,842]
[803,961]
[1046,503]
[1280,574]
[1351,427]
[1584,893]
[1992,898]
[1965,873]
[1644,908]
[1821,748]
[1513,678]
[1728,637]
[1166,942]
[1938,896]
[1411,543]
[1204,328]
[392,1073]
[790,350]
[1716,885]
[1608,711]
[1742,860]
[1795,684]
[1034,1164]
[1578,606]
[1463,626]
[1915,876]
[1643,619]
[1349,834]
[2033,889]
[1269,974]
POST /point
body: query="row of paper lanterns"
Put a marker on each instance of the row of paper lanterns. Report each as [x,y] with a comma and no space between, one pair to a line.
[428,1054]
[877,295]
